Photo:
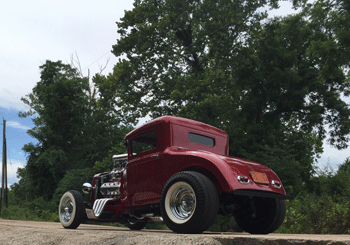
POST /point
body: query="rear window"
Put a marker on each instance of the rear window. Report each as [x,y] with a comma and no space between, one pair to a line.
[201,139]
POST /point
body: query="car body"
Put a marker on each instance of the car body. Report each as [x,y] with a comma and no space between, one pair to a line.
[179,170]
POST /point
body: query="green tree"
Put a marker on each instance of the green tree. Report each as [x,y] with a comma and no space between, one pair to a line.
[331,50]
[265,82]
[345,166]
[288,98]
[180,55]
[59,99]
[76,125]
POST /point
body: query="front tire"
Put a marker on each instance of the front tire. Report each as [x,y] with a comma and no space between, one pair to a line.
[259,215]
[189,203]
[71,209]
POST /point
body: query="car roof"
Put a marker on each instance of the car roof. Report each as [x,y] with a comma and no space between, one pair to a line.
[179,121]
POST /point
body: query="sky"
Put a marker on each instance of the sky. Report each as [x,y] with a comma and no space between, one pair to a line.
[34,31]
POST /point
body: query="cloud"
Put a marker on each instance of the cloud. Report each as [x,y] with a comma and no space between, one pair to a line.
[14,124]
[46,27]
[12,166]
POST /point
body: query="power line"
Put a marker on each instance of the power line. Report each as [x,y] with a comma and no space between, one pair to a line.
[10,158]
[21,134]
[9,115]
[96,60]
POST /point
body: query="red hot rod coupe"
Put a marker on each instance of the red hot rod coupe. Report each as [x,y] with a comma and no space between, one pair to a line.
[178,170]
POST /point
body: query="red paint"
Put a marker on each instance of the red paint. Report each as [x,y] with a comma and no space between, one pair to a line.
[146,173]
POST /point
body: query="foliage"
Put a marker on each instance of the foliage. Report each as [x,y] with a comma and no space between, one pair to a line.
[273,85]
[152,225]
[345,166]
[76,125]
[180,56]
[24,209]
[224,224]
[73,180]
[59,100]
[22,213]
[107,164]
[323,209]
[317,215]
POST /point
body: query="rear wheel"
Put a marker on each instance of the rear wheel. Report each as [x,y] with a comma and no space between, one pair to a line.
[259,215]
[71,209]
[189,202]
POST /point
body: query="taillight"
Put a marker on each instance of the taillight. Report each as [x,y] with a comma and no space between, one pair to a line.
[276,184]
[243,179]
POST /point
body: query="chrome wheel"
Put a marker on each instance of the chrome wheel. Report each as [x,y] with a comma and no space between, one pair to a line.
[189,202]
[180,202]
[71,209]
[66,209]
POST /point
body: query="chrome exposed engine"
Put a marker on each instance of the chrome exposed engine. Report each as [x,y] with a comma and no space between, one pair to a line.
[110,182]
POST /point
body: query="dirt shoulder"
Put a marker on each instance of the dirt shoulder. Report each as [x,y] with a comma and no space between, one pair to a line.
[30,232]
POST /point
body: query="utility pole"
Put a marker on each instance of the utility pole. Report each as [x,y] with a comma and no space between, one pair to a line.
[4,169]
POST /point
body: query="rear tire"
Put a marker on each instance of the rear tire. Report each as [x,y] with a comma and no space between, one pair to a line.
[259,215]
[71,209]
[189,203]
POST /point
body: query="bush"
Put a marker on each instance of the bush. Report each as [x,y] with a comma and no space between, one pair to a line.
[224,224]
[73,180]
[153,225]
[317,215]
[26,213]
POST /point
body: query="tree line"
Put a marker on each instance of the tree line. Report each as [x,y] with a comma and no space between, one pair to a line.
[277,86]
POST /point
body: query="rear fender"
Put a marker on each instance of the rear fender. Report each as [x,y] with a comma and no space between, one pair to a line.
[218,172]
[226,176]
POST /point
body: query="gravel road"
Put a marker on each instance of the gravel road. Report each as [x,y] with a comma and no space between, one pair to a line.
[30,232]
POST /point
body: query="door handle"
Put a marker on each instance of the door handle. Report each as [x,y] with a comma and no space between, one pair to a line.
[155,155]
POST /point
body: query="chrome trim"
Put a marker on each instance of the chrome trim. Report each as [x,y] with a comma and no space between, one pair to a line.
[157,219]
[90,213]
[180,202]
[67,209]
[87,188]
[99,205]
[136,217]
[244,182]
[120,157]
[143,216]
[148,215]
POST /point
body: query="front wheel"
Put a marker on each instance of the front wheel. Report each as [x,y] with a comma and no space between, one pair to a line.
[259,215]
[189,202]
[71,209]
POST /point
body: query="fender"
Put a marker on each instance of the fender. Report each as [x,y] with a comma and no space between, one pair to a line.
[227,170]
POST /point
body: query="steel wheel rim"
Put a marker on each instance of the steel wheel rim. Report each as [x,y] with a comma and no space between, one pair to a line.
[66,209]
[180,202]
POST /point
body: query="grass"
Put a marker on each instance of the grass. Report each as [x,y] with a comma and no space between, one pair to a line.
[25,213]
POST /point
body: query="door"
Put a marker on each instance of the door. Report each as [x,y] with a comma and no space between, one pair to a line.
[144,168]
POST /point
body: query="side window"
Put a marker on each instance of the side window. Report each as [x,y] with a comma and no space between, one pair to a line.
[144,142]
[200,139]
